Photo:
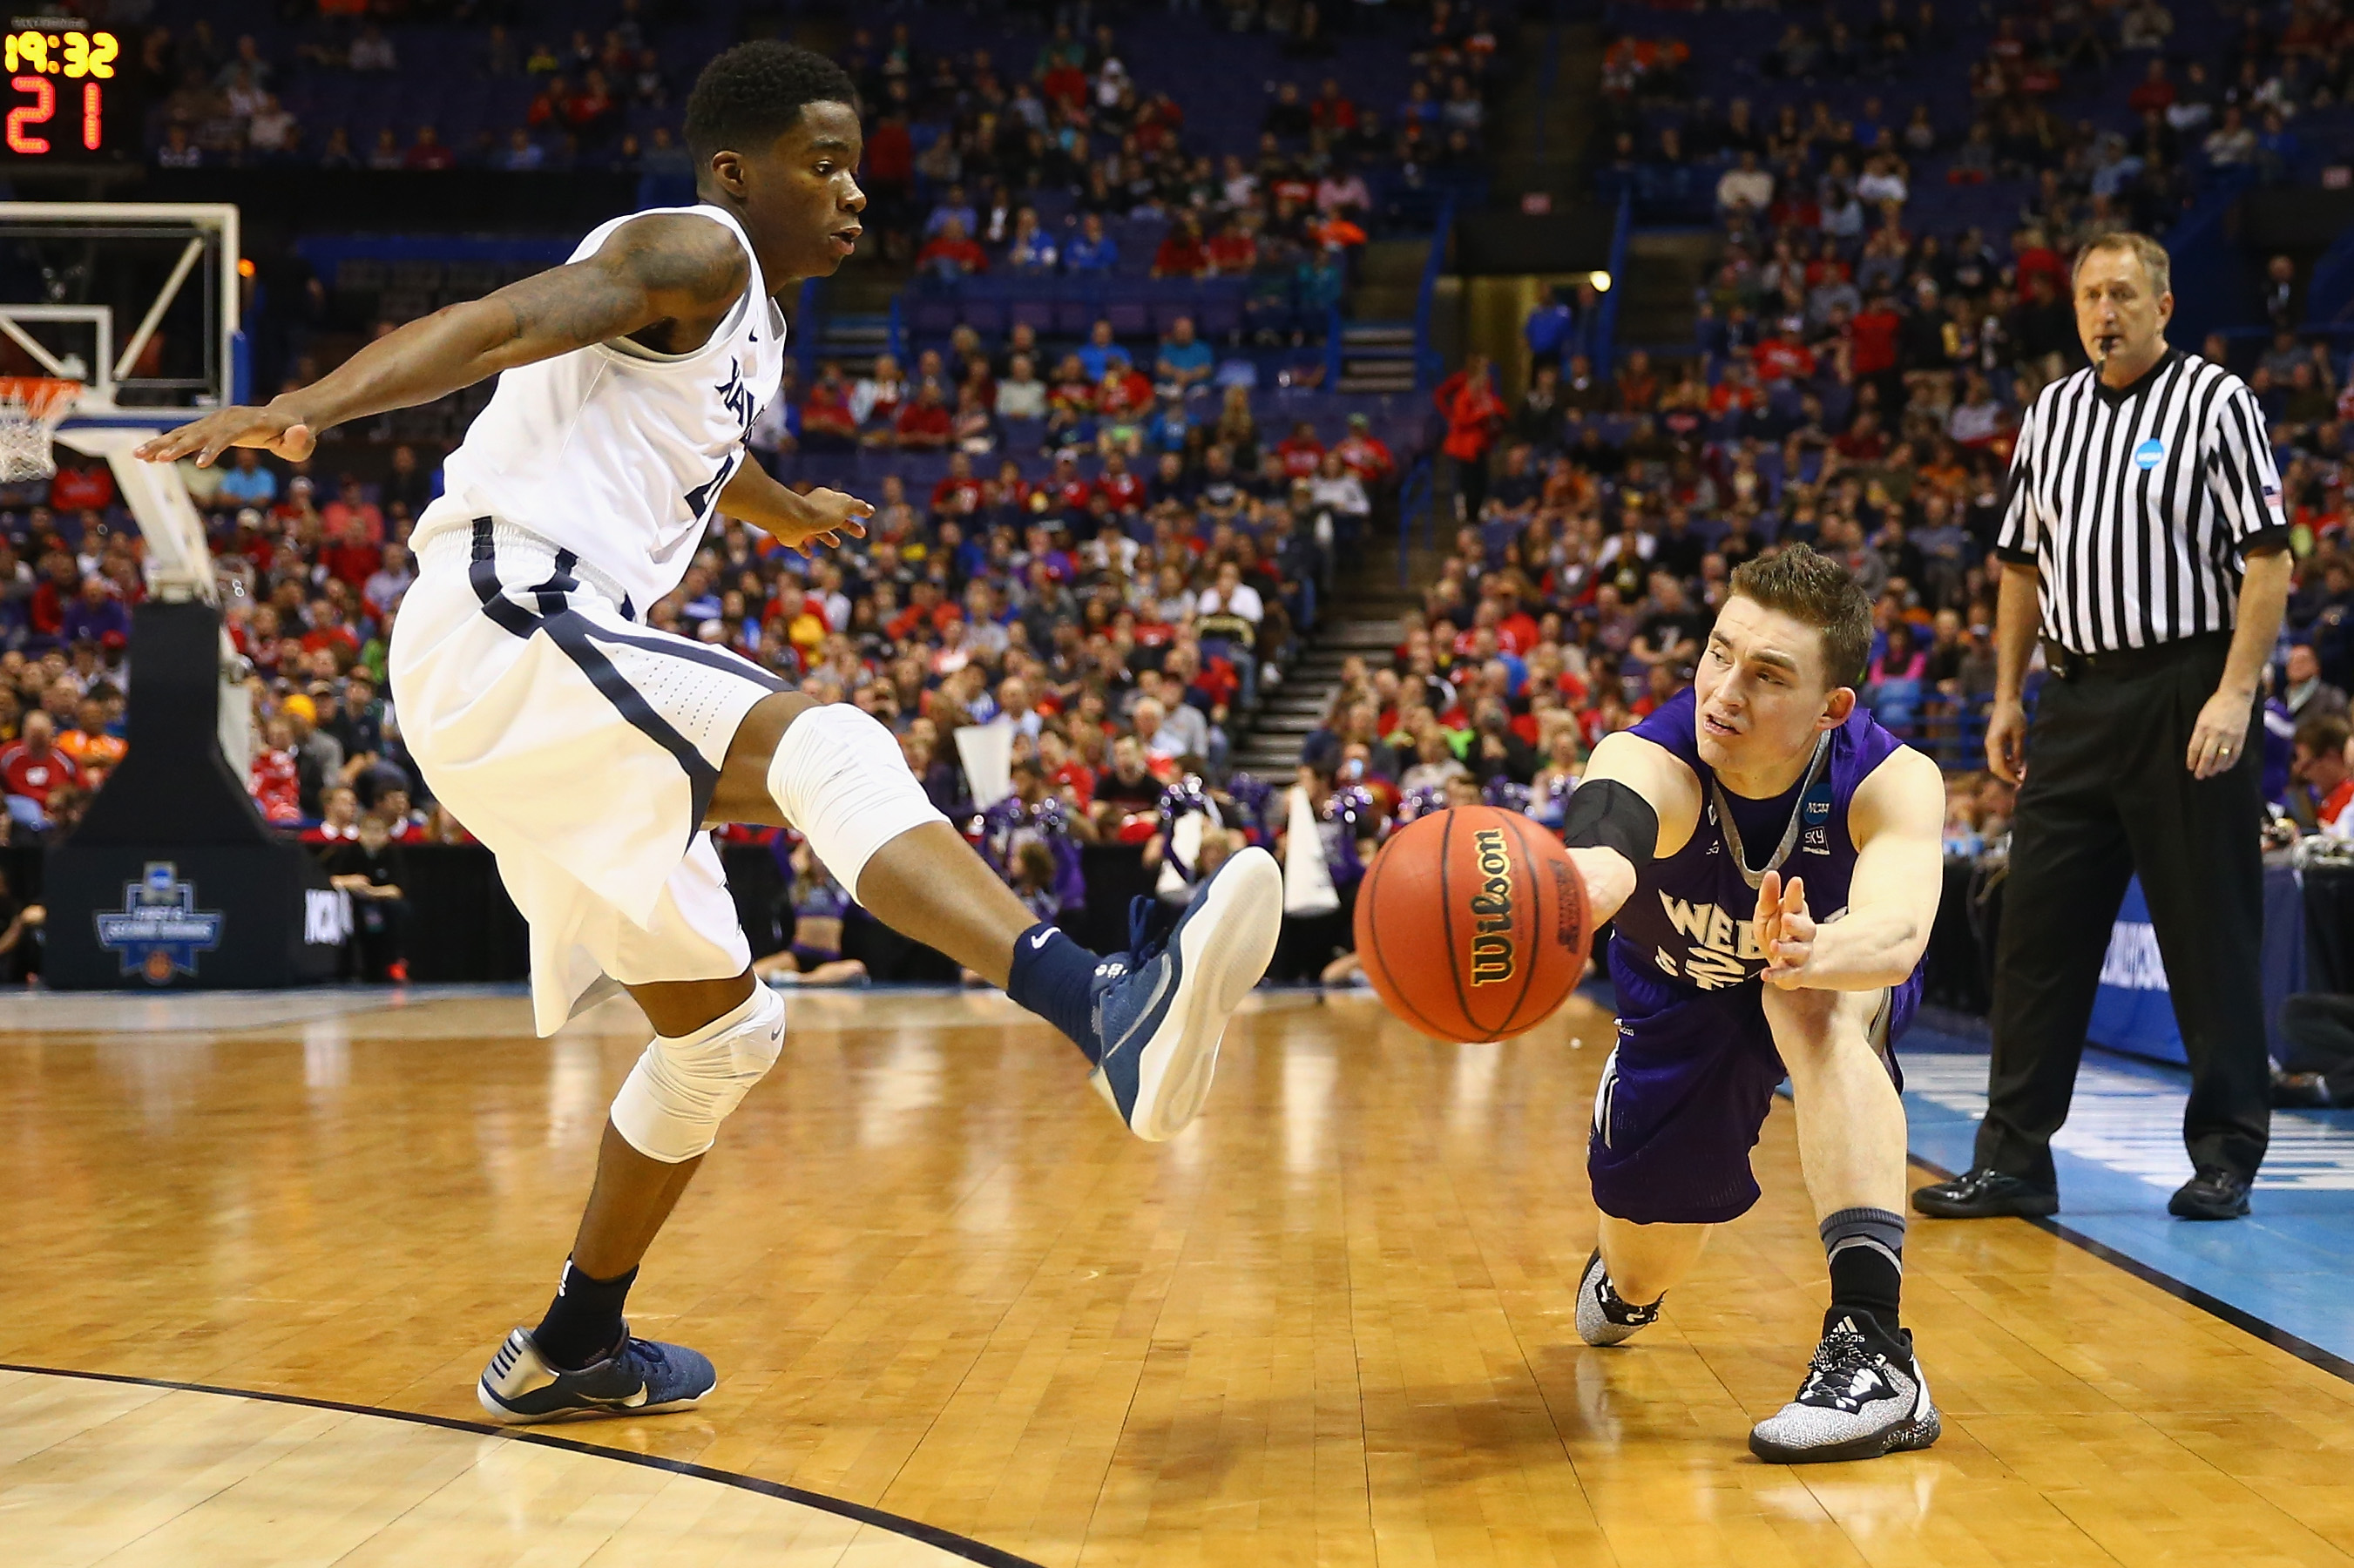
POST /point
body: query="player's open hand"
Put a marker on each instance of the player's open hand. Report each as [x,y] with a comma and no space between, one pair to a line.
[825,516]
[1785,931]
[271,427]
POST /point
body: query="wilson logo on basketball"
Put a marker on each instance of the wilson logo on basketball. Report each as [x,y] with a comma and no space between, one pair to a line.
[1492,955]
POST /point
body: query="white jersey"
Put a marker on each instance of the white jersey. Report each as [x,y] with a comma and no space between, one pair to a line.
[618,453]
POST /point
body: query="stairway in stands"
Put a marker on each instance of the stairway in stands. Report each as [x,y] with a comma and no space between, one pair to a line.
[1361,620]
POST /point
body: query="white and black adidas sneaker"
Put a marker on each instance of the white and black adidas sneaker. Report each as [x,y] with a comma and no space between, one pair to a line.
[1864,1396]
[1604,1316]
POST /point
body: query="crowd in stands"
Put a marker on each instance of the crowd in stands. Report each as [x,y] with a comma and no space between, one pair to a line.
[602,98]
[2106,115]
[1058,119]
[1167,421]
[1121,622]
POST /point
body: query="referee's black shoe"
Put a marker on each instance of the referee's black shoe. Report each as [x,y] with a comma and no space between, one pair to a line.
[1983,1193]
[2214,1193]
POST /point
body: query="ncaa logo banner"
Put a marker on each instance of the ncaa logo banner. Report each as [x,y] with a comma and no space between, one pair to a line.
[159,930]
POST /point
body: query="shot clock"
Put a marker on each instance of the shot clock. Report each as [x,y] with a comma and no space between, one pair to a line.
[63,82]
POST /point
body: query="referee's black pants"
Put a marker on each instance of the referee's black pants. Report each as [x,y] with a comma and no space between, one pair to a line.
[2106,796]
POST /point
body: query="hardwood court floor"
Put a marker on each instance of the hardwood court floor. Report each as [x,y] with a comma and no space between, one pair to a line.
[1330,1324]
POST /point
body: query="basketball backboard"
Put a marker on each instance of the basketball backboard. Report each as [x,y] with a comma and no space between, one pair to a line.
[139,302]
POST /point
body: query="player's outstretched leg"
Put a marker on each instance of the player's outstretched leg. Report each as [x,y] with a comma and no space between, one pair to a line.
[1863,1395]
[1150,1019]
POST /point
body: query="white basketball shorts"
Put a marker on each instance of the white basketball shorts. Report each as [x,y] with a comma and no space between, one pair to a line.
[582,748]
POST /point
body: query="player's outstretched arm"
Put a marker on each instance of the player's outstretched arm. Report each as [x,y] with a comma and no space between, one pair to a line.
[794,521]
[1898,820]
[665,267]
[1629,788]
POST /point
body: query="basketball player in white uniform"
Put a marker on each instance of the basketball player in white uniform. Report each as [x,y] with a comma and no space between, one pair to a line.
[590,751]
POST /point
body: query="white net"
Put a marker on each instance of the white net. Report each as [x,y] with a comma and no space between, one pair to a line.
[31,408]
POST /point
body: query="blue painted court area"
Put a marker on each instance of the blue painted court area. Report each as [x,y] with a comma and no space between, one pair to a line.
[2288,1264]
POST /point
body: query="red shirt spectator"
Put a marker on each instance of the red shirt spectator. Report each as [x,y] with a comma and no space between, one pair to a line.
[1159,122]
[1331,110]
[1874,332]
[276,784]
[1300,451]
[925,422]
[890,154]
[591,104]
[2334,804]
[1123,489]
[1473,411]
[1125,394]
[1364,454]
[1733,394]
[826,412]
[956,494]
[332,633]
[430,151]
[1862,442]
[352,511]
[87,489]
[1784,358]
[2153,95]
[1073,490]
[1065,84]
[35,766]
[351,558]
[1232,251]
[1078,779]
[951,249]
[2042,259]
[1795,206]
[1180,254]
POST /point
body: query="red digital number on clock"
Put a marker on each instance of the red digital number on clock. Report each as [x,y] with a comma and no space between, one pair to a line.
[44,107]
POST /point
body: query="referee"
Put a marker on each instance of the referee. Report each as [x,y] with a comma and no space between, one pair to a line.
[2143,539]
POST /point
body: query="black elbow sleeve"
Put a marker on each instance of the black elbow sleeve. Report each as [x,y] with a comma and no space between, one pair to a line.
[1607,814]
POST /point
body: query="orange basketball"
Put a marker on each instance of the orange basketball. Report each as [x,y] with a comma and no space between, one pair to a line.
[1472,924]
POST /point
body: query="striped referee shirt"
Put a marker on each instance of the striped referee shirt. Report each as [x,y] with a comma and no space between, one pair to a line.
[2138,506]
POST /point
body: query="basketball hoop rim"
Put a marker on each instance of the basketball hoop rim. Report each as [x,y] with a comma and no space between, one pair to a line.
[46,398]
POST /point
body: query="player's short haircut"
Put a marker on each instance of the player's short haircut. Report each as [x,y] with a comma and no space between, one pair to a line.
[1819,591]
[2156,265]
[751,94]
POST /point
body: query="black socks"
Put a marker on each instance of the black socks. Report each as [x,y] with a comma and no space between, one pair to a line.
[584,1321]
[1054,977]
[1867,1259]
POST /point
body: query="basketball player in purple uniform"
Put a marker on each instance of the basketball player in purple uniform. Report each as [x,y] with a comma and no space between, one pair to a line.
[1771,857]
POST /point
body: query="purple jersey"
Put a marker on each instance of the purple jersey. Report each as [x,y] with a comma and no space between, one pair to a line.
[1688,919]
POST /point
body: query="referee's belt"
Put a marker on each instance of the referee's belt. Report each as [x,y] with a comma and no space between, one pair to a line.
[2127,662]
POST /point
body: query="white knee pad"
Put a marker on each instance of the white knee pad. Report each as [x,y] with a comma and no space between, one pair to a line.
[681,1090]
[840,779]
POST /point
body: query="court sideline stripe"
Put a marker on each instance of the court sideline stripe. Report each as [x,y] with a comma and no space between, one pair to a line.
[931,1535]
[2238,1318]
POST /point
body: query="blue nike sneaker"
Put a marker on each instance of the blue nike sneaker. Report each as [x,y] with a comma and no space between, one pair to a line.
[1161,1008]
[644,1377]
